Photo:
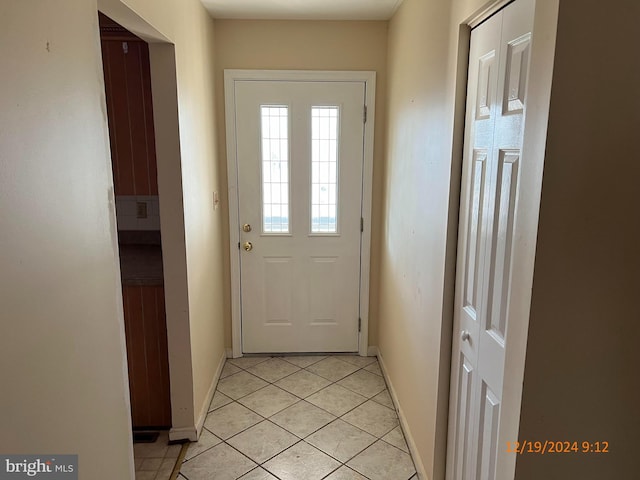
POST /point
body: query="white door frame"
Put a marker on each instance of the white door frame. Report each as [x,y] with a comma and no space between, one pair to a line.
[230,79]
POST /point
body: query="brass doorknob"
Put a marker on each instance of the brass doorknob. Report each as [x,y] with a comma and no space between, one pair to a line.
[248,246]
[246,228]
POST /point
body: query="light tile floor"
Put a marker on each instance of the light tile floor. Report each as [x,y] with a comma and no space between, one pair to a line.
[155,461]
[300,418]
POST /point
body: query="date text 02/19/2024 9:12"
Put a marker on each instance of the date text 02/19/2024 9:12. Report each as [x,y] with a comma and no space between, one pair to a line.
[550,446]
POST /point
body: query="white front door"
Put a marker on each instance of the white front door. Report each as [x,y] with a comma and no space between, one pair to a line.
[299,150]
[496,104]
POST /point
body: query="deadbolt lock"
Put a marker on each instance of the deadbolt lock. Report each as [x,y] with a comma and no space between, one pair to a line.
[246,228]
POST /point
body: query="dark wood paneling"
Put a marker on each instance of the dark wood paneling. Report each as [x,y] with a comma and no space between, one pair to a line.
[148,363]
[130,110]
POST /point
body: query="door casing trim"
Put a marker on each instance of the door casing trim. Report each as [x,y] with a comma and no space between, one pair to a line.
[231,76]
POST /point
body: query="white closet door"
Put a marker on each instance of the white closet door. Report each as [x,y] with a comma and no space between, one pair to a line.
[498,71]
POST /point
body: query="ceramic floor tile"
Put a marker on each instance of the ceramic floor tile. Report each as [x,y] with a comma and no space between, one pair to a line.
[166,470]
[269,400]
[303,361]
[241,384]
[263,441]
[357,360]
[332,368]
[173,451]
[205,442]
[219,400]
[303,383]
[150,450]
[302,418]
[164,475]
[336,399]
[341,440]
[273,369]
[168,464]
[146,475]
[382,461]
[302,461]
[229,369]
[151,464]
[365,383]
[247,362]
[218,463]
[231,419]
[374,368]
[258,474]
[138,462]
[373,418]
[396,438]
[345,473]
[383,398]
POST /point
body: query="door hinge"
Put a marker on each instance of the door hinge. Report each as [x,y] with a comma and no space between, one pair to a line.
[361,224]
[359,324]
[364,115]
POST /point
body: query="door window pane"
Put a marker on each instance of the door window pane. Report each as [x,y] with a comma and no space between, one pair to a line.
[275,168]
[324,169]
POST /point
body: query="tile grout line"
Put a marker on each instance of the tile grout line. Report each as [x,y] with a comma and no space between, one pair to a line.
[378,438]
[304,400]
[337,417]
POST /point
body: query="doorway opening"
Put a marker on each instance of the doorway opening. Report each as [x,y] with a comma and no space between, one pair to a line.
[127,78]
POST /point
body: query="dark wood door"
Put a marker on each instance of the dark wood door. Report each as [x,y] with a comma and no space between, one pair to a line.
[146,333]
[127,78]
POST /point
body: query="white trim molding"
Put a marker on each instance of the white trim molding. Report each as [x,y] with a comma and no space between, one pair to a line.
[369,80]
[417,460]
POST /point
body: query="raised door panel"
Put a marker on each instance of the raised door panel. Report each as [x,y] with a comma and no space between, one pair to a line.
[517,69]
[277,285]
[322,294]
[464,420]
[489,410]
[473,253]
[500,260]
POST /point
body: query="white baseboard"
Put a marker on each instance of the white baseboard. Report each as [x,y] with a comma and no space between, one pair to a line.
[229,352]
[372,351]
[422,475]
[183,433]
[212,389]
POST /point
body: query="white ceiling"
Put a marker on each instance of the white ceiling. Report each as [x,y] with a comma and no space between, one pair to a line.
[303,9]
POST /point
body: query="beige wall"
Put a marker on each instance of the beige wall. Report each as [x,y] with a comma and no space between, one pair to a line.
[62,366]
[581,379]
[415,219]
[308,45]
[188,177]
